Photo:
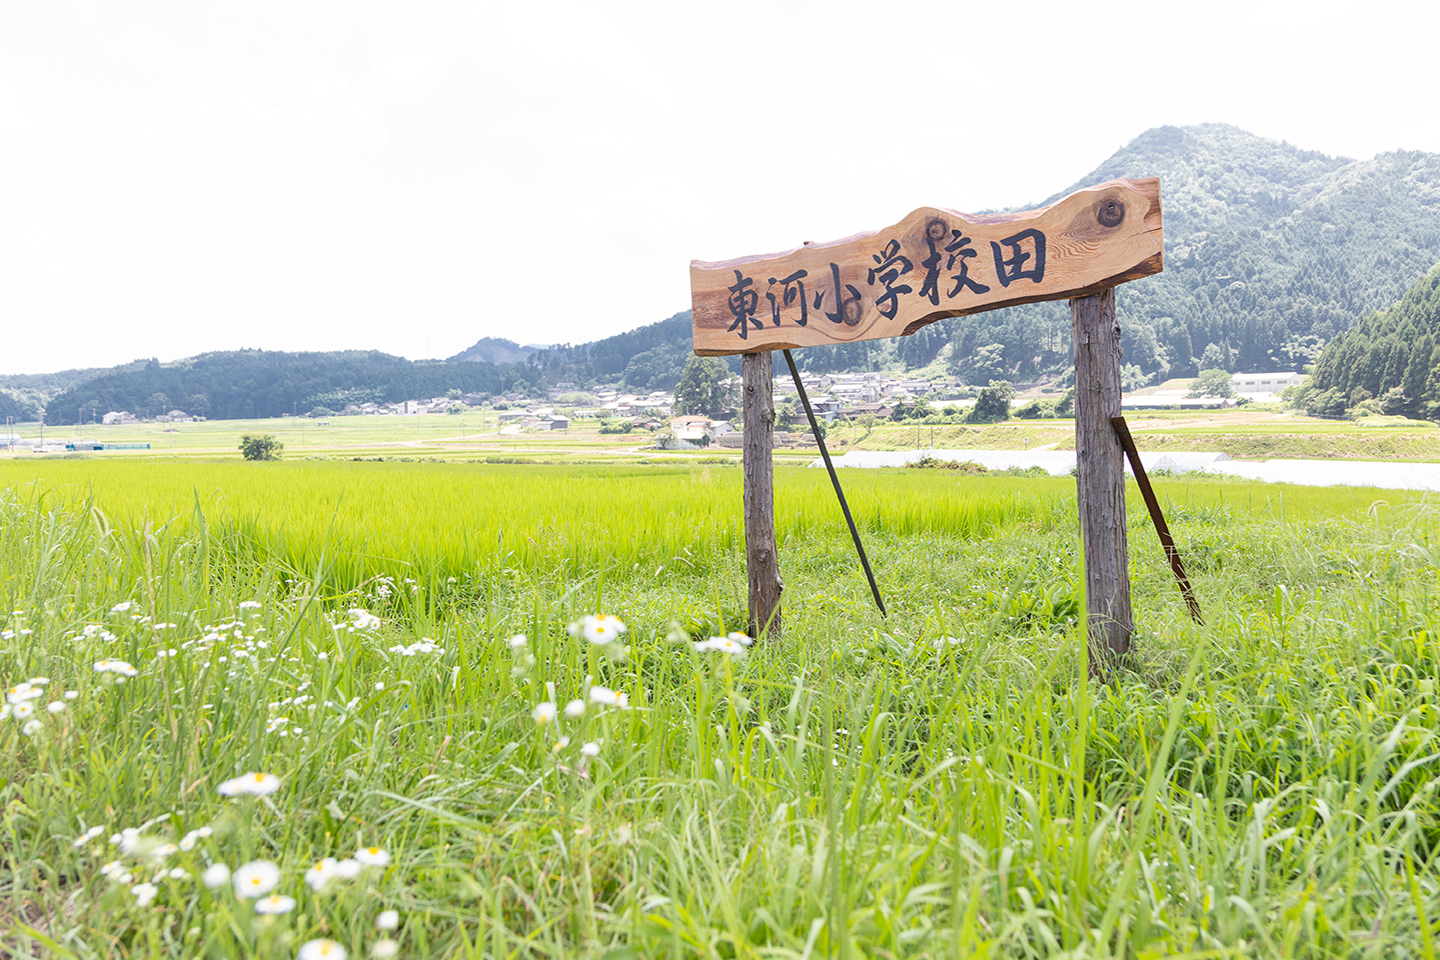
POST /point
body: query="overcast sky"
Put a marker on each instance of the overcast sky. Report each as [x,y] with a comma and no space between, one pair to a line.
[411,176]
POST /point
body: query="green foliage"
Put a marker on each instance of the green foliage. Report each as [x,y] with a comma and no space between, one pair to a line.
[617,426]
[993,403]
[259,383]
[1391,355]
[705,388]
[928,462]
[1212,383]
[1035,410]
[260,446]
[1263,785]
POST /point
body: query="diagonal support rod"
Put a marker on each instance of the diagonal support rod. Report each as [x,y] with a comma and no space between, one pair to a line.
[1122,430]
[840,494]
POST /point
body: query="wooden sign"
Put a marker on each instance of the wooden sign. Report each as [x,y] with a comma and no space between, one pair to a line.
[933,264]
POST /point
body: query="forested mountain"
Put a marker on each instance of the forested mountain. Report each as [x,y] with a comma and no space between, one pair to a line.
[24,395]
[267,383]
[1270,251]
[494,350]
[646,358]
[1388,363]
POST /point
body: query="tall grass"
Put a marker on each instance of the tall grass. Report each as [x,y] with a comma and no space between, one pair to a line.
[435,521]
[944,784]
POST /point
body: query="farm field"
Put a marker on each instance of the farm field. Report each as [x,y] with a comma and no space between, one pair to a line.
[389,665]
[476,436]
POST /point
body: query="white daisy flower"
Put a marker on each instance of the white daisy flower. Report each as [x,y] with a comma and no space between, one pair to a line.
[722,645]
[23,710]
[321,950]
[544,713]
[215,876]
[71,694]
[275,903]
[255,879]
[517,641]
[55,706]
[373,856]
[609,698]
[321,873]
[178,873]
[22,692]
[575,708]
[252,784]
[384,949]
[122,607]
[364,620]
[601,629]
[31,727]
[591,749]
[144,893]
[347,869]
[388,920]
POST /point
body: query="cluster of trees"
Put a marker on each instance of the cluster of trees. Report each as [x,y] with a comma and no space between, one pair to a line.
[23,396]
[1389,363]
[267,383]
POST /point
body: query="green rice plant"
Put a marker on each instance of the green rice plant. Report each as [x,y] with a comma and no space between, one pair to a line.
[941,783]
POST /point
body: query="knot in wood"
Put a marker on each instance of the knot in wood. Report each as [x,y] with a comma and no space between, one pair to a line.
[936,229]
[1111,213]
[851,312]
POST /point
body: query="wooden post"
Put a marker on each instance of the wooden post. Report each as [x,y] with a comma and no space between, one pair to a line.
[1101,462]
[762,560]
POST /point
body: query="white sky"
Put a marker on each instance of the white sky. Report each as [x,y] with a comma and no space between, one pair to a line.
[412,175]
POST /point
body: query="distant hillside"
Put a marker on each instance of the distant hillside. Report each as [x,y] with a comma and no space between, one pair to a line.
[493,350]
[24,395]
[646,358]
[1270,251]
[267,383]
[1389,363]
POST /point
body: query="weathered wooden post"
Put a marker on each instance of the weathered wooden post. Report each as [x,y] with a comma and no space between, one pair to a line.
[1100,462]
[762,559]
[933,264]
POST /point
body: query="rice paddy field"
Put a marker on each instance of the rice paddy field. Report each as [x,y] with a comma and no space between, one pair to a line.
[353,709]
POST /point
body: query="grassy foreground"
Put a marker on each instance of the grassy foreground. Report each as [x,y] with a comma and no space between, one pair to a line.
[943,784]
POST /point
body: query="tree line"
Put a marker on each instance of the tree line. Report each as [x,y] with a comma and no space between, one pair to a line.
[243,384]
[1389,363]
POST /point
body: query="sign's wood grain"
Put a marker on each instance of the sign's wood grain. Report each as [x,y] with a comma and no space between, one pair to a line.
[933,264]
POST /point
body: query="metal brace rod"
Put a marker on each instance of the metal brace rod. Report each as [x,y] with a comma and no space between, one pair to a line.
[835,480]
[1122,430]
